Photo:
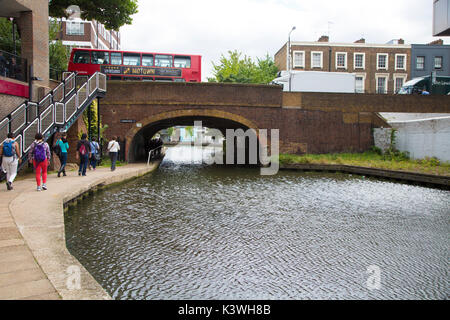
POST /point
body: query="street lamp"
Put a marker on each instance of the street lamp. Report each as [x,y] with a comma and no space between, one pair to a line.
[289,56]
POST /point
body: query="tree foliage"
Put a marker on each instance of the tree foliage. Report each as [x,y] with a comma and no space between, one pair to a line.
[6,38]
[242,69]
[112,13]
[94,120]
[58,53]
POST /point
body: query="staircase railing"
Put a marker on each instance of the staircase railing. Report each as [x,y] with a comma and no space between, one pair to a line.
[57,111]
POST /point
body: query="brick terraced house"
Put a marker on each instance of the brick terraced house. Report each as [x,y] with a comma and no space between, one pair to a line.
[379,68]
[88,34]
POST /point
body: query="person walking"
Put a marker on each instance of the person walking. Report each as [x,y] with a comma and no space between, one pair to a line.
[9,150]
[40,157]
[63,145]
[113,149]
[83,153]
[95,151]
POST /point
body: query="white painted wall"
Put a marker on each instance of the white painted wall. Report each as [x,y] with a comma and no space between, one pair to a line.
[424,137]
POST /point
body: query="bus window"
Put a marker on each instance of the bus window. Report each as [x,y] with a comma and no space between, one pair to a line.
[131,59]
[147,60]
[163,60]
[100,57]
[81,57]
[116,58]
[182,62]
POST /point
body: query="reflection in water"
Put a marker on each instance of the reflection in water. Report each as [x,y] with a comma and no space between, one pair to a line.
[190,231]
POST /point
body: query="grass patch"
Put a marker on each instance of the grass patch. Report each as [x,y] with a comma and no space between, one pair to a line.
[106,162]
[373,159]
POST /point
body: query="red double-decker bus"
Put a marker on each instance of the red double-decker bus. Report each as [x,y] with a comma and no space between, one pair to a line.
[128,65]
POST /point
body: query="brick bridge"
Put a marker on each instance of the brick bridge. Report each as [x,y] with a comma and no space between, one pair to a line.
[308,122]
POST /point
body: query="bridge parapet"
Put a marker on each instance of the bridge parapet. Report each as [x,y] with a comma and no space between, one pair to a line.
[357,102]
[194,94]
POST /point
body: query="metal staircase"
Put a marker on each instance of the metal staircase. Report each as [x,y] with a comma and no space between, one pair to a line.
[57,111]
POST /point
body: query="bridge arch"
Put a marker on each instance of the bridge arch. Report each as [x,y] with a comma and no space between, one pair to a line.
[211,118]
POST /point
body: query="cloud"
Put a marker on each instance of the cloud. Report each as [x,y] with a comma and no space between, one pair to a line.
[256,27]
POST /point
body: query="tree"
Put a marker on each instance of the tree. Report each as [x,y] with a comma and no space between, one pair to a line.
[6,38]
[94,123]
[240,69]
[112,13]
[58,53]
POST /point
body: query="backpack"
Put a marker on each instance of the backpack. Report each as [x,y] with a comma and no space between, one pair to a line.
[8,148]
[82,149]
[94,147]
[39,152]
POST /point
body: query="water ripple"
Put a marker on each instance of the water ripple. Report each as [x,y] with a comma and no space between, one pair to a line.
[190,231]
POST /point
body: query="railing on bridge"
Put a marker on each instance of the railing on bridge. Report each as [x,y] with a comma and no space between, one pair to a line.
[152,154]
[57,111]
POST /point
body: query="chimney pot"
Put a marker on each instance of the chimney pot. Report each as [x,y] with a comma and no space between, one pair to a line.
[439,42]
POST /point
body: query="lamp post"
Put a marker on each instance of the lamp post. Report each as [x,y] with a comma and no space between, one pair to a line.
[289,56]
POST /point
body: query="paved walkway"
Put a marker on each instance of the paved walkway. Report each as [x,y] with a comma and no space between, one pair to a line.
[34,260]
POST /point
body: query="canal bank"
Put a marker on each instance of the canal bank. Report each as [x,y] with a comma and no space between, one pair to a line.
[429,180]
[34,260]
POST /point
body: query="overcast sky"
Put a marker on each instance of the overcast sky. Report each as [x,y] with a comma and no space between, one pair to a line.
[256,27]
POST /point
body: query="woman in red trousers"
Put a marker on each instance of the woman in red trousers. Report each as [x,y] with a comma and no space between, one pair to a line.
[40,156]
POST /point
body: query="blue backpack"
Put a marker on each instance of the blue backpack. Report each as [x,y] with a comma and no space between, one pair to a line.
[39,152]
[8,148]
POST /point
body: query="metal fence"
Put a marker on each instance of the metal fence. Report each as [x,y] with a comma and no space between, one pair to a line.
[13,66]
[59,108]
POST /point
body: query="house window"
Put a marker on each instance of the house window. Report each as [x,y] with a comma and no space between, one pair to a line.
[438,62]
[399,80]
[316,59]
[382,61]
[420,63]
[341,60]
[400,62]
[381,83]
[359,83]
[299,59]
[74,28]
[359,61]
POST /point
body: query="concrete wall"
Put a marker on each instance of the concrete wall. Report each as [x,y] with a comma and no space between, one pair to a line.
[382,138]
[424,138]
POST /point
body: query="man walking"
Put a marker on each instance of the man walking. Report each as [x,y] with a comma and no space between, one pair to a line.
[113,149]
[83,153]
[10,151]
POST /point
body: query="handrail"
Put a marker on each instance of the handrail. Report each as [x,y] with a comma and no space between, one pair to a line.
[51,111]
[151,152]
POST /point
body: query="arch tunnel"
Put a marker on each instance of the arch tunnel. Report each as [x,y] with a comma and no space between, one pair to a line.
[137,150]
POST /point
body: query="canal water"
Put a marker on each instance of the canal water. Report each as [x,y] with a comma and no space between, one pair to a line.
[192,231]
